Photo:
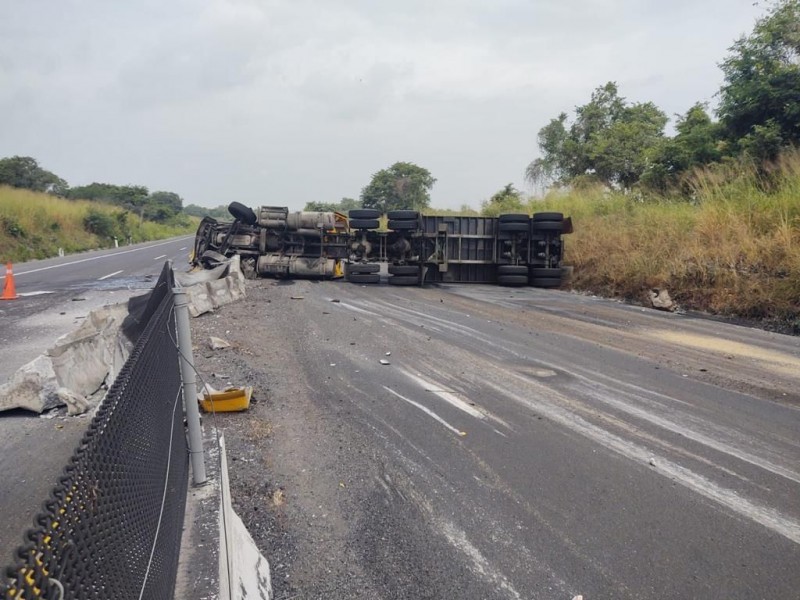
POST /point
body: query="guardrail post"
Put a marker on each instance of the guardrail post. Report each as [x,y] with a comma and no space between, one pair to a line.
[189,379]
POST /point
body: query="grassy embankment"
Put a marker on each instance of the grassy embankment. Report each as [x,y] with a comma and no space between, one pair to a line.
[731,246]
[34,225]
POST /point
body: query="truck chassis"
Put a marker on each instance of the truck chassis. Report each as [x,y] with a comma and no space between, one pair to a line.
[402,247]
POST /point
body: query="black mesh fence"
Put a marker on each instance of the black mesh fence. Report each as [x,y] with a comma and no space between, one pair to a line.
[112,526]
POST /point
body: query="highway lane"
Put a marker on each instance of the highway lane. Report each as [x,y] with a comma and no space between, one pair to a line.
[520,444]
[56,294]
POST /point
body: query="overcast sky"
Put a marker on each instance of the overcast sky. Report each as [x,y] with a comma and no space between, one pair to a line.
[285,101]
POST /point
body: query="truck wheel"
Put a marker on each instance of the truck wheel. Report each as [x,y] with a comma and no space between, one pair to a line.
[361,268]
[404,280]
[364,278]
[512,280]
[546,282]
[512,227]
[548,216]
[364,213]
[400,225]
[545,273]
[404,270]
[513,218]
[364,223]
[403,215]
[242,213]
[556,226]
[512,270]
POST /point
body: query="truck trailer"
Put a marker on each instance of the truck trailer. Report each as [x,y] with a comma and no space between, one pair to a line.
[401,247]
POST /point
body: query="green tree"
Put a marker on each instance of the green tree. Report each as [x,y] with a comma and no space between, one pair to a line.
[219,212]
[342,206]
[697,142]
[162,206]
[25,172]
[507,200]
[608,140]
[127,196]
[403,185]
[760,98]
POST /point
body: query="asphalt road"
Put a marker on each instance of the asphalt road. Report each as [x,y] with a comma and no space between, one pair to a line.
[55,295]
[520,444]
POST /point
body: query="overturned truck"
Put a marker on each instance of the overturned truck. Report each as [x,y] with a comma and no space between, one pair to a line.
[403,247]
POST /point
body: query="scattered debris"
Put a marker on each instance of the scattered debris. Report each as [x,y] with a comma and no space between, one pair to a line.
[298,297]
[335,300]
[278,497]
[231,399]
[216,343]
[388,354]
[78,299]
[661,300]
[384,362]
[218,376]
[652,462]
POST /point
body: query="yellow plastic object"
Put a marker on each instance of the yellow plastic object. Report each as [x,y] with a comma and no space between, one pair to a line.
[228,400]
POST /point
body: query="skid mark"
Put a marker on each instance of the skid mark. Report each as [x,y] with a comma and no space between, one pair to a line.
[765,516]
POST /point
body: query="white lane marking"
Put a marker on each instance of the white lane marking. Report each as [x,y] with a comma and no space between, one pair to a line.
[480,565]
[764,515]
[40,293]
[448,397]
[83,260]
[159,257]
[109,275]
[427,411]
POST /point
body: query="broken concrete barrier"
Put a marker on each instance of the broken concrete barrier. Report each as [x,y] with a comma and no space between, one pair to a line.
[74,368]
[210,289]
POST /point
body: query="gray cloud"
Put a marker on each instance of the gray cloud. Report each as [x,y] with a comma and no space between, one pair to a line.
[285,101]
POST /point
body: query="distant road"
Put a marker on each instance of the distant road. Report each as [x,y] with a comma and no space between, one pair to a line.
[55,295]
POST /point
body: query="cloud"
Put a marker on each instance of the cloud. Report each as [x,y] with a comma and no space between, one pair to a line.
[285,101]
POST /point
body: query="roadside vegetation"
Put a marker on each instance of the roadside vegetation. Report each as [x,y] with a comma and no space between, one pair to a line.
[34,225]
[731,247]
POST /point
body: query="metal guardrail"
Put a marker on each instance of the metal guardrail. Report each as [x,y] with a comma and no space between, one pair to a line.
[111,528]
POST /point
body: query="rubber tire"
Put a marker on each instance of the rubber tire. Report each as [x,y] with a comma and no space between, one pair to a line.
[554,226]
[364,213]
[404,280]
[512,270]
[364,223]
[403,215]
[399,225]
[512,280]
[404,270]
[546,282]
[545,273]
[513,218]
[242,213]
[513,227]
[364,278]
[548,216]
[361,268]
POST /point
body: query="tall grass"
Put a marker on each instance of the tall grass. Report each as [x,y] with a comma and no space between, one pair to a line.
[35,225]
[730,245]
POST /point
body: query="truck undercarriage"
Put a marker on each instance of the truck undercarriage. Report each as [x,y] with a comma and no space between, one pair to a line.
[402,247]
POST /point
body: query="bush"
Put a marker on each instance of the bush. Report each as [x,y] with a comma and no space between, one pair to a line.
[99,223]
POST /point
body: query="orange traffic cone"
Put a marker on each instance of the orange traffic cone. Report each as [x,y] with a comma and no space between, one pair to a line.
[9,291]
